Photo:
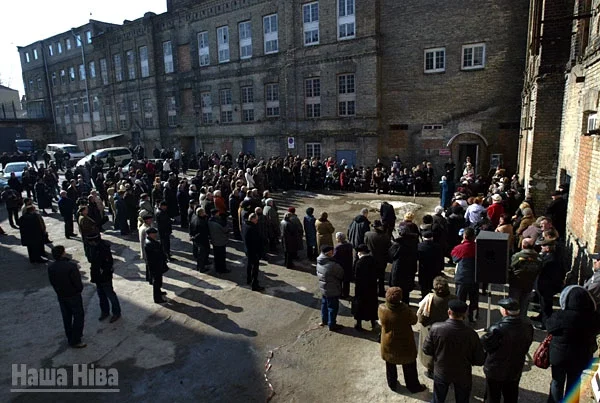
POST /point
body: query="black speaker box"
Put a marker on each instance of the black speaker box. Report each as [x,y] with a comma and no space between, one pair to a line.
[491,258]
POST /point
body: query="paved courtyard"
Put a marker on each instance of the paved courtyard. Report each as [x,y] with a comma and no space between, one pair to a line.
[211,342]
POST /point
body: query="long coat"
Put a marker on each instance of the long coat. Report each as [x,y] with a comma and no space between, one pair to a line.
[397,339]
[289,236]
[342,254]
[310,230]
[299,231]
[325,232]
[365,303]
[403,255]
[43,198]
[32,230]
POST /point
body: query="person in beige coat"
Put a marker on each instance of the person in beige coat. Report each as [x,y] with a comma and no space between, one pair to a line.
[397,341]
[325,231]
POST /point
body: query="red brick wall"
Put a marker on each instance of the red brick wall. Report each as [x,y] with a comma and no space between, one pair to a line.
[580,195]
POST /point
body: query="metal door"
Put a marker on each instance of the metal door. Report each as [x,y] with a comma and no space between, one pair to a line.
[348,155]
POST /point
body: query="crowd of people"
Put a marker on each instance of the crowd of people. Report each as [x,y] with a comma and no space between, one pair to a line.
[232,198]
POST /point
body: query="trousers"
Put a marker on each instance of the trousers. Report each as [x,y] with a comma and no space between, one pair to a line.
[72,312]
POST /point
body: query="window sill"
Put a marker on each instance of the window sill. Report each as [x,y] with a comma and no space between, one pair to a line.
[346,38]
[434,71]
[473,68]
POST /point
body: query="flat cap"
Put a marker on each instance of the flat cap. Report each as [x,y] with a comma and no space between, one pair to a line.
[510,304]
[457,306]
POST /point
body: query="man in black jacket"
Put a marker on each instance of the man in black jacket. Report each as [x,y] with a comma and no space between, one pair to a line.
[66,207]
[506,343]
[378,241]
[199,234]
[33,233]
[66,281]
[431,262]
[455,349]
[157,263]
[12,199]
[254,247]
[101,269]
[358,228]
[165,228]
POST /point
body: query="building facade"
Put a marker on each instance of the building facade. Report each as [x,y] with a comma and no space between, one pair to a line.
[351,79]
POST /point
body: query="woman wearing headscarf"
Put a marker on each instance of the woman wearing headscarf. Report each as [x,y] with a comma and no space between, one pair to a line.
[433,308]
[397,341]
[325,231]
[342,254]
[573,331]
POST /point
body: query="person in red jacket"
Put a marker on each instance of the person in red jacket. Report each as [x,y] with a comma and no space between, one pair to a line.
[220,203]
[495,210]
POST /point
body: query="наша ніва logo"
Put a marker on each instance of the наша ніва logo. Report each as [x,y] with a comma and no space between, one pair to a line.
[78,378]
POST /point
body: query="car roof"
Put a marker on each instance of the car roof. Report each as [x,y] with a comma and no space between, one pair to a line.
[112,148]
[61,144]
[17,162]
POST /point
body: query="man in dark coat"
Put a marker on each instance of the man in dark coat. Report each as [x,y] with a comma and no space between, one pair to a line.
[254,250]
[157,263]
[101,273]
[358,228]
[403,255]
[170,196]
[33,234]
[219,236]
[365,303]
[66,206]
[199,234]
[557,212]
[431,262]
[289,238]
[121,213]
[66,281]
[378,243]
[43,197]
[524,269]
[165,228]
[506,344]
[131,208]
[342,254]
[12,200]
[455,348]
[549,281]
[183,200]
[388,217]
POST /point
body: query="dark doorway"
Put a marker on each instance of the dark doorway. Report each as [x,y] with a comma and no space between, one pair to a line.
[249,145]
[464,151]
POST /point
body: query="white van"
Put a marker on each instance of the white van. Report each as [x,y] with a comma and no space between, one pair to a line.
[122,156]
[75,154]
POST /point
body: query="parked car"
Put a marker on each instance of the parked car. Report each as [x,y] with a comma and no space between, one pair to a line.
[75,154]
[122,155]
[16,167]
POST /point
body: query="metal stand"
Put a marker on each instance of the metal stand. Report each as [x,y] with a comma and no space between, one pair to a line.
[489,306]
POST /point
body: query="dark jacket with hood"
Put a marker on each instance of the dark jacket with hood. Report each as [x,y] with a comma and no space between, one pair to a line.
[357,230]
[573,329]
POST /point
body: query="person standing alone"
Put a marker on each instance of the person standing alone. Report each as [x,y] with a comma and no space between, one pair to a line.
[331,276]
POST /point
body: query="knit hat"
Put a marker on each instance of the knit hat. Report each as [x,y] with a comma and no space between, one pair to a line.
[393,295]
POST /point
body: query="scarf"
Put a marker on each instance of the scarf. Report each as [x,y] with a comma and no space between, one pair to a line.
[425,305]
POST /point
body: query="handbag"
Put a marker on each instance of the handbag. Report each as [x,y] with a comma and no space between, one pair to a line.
[541,357]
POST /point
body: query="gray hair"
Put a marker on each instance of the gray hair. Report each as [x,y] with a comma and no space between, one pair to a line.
[364,211]
[439,210]
[527,211]
[340,236]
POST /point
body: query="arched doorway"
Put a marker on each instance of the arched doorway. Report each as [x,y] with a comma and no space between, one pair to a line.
[472,145]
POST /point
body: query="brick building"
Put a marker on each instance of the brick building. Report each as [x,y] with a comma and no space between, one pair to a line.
[346,78]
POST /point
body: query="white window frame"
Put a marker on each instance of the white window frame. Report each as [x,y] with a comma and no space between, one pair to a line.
[35,54]
[206,103]
[226,102]
[144,64]
[434,52]
[72,73]
[471,63]
[168,57]
[171,111]
[310,23]
[68,44]
[82,75]
[223,44]
[346,13]
[592,122]
[346,94]
[271,36]
[130,62]
[95,109]
[247,104]
[85,105]
[311,150]
[272,100]
[78,42]
[148,113]
[63,77]
[203,49]
[50,50]
[104,71]
[27,58]
[92,67]
[88,36]
[312,98]
[59,47]
[245,33]
[54,79]
[122,110]
[118,64]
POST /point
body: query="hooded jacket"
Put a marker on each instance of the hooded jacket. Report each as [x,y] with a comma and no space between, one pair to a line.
[357,230]
[330,275]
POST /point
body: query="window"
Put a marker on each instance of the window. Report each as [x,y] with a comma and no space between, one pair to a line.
[270,32]
[122,108]
[433,127]
[148,113]
[78,40]
[104,71]
[223,44]
[39,84]
[346,95]
[226,106]
[67,114]
[68,43]
[63,77]
[346,19]
[134,106]
[59,47]
[92,67]
[206,108]
[203,51]
[50,50]
[144,66]
[118,67]
[245,40]
[272,100]
[27,59]
[75,107]
[435,60]
[54,79]
[171,112]
[168,57]
[31,87]
[313,150]
[130,59]
[247,104]
[81,72]
[72,73]
[108,113]
[592,123]
[96,108]
[35,54]
[88,36]
[312,97]
[85,104]
[473,56]
[310,13]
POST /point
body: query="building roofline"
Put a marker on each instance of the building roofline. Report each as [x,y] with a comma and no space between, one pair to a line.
[90,22]
[8,88]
